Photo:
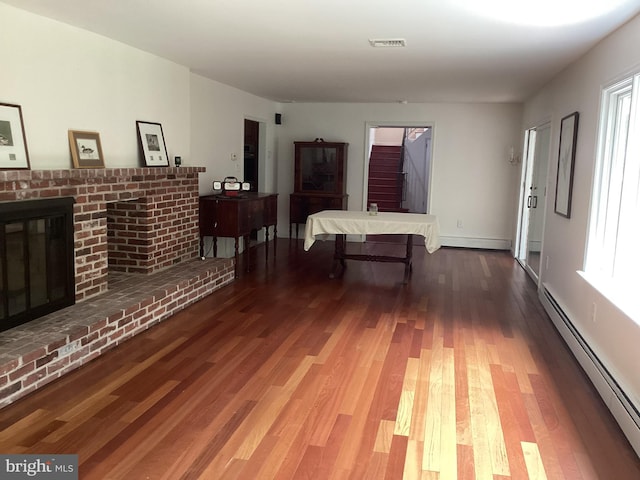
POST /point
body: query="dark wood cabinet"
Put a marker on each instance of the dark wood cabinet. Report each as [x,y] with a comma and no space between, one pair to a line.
[237,217]
[271,213]
[319,180]
[301,205]
[320,167]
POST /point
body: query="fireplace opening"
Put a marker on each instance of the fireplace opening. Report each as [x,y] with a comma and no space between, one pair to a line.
[36,259]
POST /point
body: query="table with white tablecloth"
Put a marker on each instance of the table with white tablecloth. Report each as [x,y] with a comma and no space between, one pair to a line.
[341,223]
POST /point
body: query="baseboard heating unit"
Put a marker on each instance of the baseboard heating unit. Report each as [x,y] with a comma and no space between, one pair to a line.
[624,410]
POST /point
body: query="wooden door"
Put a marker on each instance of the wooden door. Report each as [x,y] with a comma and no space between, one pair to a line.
[251,138]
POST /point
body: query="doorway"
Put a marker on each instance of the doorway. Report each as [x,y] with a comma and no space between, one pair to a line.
[399,167]
[533,199]
[251,153]
[251,156]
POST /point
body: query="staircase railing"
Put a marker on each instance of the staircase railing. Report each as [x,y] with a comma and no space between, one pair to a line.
[402,175]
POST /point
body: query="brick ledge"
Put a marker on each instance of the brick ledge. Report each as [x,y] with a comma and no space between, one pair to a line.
[87,173]
[77,334]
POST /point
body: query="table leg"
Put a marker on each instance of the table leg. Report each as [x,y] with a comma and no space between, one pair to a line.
[275,239]
[338,256]
[407,259]
[246,253]
[266,243]
[237,257]
[215,246]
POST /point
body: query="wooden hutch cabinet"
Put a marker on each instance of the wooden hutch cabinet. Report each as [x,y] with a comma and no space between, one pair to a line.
[319,179]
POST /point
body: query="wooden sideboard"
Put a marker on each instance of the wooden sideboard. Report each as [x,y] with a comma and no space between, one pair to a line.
[236,217]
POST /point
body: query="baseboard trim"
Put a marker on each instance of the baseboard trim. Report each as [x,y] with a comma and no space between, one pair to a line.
[469,242]
[625,412]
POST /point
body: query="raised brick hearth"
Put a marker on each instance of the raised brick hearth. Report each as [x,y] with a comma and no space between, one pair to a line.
[40,351]
[129,224]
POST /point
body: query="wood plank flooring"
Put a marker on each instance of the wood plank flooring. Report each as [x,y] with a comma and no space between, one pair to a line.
[287,374]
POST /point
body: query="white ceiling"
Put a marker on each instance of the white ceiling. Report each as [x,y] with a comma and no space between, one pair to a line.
[318,50]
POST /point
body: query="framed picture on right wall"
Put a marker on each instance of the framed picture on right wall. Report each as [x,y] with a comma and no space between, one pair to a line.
[566,164]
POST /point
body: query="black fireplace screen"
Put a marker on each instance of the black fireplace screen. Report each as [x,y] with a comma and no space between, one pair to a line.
[36,259]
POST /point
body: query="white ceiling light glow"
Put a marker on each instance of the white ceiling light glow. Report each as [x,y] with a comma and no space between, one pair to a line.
[542,13]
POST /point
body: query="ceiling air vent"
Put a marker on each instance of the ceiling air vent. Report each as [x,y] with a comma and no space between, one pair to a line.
[388,42]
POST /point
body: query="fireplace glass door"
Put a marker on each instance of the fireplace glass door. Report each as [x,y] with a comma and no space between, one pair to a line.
[36,259]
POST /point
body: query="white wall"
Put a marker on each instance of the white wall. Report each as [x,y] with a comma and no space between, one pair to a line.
[217,132]
[472,179]
[217,135]
[613,336]
[388,136]
[67,78]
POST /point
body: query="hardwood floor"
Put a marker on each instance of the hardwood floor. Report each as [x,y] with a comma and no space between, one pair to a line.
[289,374]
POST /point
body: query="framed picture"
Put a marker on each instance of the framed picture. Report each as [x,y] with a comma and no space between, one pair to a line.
[566,164]
[151,142]
[86,150]
[13,142]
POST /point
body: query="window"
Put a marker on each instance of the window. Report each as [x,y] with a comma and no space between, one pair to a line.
[613,255]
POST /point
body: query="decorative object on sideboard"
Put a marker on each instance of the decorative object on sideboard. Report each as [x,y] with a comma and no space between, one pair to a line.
[13,141]
[231,187]
[153,149]
[86,149]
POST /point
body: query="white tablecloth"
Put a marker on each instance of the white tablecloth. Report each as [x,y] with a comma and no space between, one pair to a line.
[327,222]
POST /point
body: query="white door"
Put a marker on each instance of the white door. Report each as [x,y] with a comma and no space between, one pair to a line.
[533,199]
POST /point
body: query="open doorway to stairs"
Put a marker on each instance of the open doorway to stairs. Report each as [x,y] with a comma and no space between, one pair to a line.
[398,168]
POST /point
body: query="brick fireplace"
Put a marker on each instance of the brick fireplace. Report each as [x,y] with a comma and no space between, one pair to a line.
[160,230]
[129,223]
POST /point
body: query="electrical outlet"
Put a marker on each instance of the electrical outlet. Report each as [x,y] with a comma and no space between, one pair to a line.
[68,348]
[593,312]
[459,224]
